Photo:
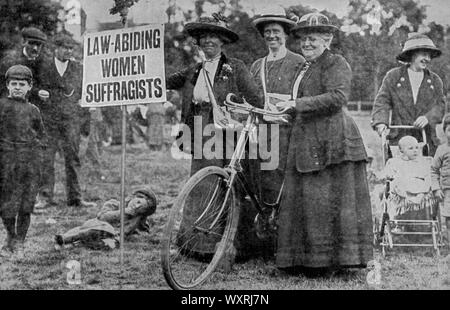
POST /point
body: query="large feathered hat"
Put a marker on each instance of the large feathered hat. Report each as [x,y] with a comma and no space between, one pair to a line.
[217,23]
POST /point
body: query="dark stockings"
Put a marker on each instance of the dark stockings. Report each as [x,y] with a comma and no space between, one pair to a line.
[10,225]
[19,233]
[23,223]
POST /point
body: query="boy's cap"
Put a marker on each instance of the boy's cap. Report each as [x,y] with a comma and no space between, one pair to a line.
[35,34]
[19,72]
[148,193]
[150,196]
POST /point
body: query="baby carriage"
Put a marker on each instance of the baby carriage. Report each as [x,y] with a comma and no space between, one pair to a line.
[411,220]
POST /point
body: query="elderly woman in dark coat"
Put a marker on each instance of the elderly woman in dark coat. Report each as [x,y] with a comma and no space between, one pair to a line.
[325,217]
[227,75]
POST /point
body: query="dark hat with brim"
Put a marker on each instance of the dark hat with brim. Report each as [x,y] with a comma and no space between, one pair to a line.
[63,39]
[314,22]
[215,24]
[32,33]
[415,43]
[261,21]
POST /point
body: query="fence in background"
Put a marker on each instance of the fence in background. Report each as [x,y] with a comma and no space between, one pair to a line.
[360,106]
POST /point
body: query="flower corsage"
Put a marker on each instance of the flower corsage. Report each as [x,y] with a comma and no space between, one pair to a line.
[226,71]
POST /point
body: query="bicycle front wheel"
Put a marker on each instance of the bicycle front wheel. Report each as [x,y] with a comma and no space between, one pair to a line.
[202,223]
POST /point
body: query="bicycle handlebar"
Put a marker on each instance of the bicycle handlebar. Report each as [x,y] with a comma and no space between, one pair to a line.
[246,107]
[403,127]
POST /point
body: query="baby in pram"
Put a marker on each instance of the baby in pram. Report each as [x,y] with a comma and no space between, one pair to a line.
[410,179]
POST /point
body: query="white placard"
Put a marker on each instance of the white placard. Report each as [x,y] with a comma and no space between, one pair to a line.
[124,67]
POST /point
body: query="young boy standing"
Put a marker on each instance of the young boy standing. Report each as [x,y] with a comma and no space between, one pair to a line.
[22,137]
[440,174]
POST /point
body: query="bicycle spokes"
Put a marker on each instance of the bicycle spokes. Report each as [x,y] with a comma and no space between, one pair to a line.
[199,230]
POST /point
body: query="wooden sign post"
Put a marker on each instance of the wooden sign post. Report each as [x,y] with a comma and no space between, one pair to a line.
[124,67]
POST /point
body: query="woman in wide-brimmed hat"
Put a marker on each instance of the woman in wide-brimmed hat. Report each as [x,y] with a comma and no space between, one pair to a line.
[325,219]
[223,75]
[412,93]
[275,76]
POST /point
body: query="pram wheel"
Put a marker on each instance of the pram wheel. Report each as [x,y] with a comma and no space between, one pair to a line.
[409,220]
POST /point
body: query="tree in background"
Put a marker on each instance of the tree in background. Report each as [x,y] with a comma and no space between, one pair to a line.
[374,33]
[17,14]
[248,48]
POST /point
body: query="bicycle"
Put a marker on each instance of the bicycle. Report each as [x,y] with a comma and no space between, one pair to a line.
[215,188]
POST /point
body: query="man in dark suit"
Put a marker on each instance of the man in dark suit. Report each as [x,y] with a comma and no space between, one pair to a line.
[61,114]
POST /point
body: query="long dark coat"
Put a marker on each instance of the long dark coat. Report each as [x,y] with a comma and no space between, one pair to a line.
[240,82]
[325,215]
[395,94]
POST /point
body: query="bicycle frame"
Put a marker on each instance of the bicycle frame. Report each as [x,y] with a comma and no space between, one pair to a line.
[220,210]
[234,168]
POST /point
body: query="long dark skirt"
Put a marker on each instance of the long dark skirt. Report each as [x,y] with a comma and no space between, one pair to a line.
[325,218]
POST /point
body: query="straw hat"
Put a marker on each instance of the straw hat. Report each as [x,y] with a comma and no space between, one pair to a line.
[216,24]
[274,15]
[417,41]
[314,22]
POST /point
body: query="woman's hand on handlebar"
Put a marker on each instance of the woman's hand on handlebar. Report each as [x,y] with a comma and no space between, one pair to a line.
[439,194]
[421,122]
[286,104]
[381,128]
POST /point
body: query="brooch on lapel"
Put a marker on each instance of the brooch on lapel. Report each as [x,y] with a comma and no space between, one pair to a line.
[226,71]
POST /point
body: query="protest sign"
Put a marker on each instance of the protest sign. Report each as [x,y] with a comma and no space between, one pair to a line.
[124,67]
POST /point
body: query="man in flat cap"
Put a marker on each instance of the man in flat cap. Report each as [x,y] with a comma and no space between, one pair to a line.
[61,114]
[28,55]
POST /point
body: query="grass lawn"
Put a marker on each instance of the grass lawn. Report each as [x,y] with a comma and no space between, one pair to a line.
[44,267]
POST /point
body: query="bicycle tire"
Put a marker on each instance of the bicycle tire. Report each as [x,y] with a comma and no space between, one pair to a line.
[183,267]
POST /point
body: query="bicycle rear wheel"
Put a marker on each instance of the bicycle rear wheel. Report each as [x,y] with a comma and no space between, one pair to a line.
[202,223]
